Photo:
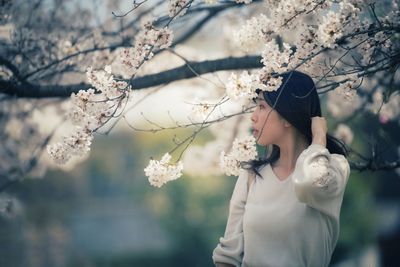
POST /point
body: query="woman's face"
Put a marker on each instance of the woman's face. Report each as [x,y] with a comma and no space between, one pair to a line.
[268,126]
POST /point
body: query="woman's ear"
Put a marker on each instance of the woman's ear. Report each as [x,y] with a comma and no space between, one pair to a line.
[286,124]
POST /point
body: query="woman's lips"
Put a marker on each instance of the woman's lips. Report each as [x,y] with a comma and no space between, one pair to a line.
[255,132]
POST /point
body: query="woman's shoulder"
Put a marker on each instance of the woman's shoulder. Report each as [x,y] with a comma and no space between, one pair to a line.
[341,162]
[315,150]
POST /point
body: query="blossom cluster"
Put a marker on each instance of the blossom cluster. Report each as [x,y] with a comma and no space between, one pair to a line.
[89,111]
[201,111]
[339,105]
[275,60]
[348,88]
[278,58]
[380,42]
[244,87]
[256,30]
[336,24]
[241,87]
[159,172]
[286,14]
[146,40]
[307,43]
[243,150]
[77,144]
[177,7]
[387,110]
[344,133]
[282,16]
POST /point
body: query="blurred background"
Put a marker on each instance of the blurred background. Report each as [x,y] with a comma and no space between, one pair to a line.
[105,213]
[102,212]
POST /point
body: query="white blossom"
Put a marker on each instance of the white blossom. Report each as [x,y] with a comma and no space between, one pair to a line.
[162,171]
[344,133]
[175,6]
[201,111]
[256,31]
[76,144]
[307,44]
[79,142]
[89,111]
[243,150]
[273,84]
[348,89]
[83,97]
[330,29]
[164,38]
[104,82]
[107,69]
[286,14]
[339,108]
[335,24]
[228,164]
[274,61]
[59,153]
[242,87]
[145,41]
[387,111]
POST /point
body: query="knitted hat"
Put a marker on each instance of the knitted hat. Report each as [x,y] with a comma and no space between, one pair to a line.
[296,100]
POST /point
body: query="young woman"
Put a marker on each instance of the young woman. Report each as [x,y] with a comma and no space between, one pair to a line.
[289,215]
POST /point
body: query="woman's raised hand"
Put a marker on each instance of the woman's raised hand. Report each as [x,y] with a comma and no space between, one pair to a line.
[319,130]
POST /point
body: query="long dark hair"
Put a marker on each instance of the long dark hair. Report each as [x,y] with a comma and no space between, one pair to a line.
[297,101]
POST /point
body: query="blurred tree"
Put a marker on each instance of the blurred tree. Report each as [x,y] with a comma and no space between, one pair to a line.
[351,49]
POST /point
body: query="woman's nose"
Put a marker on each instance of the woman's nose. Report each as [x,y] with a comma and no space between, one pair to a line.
[253,117]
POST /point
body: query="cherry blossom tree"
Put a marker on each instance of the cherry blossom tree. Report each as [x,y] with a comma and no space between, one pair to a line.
[89,70]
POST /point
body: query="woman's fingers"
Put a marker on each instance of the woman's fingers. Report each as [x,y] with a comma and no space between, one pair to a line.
[318,125]
[319,130]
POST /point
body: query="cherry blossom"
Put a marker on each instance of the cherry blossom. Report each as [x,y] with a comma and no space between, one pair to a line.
[243,150]
[343,132]
[162,171]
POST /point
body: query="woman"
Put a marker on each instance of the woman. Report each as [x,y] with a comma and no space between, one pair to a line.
[289,216]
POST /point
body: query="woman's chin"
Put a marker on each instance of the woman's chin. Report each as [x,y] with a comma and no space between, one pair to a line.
[261,143]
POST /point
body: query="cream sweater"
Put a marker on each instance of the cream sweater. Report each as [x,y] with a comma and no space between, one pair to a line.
[294,222]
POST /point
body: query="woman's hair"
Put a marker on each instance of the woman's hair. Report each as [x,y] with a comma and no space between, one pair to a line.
[297,101]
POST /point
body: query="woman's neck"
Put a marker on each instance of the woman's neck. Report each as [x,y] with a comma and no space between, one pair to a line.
[290,149]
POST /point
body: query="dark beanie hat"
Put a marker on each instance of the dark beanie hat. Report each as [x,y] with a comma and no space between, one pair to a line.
[296,100]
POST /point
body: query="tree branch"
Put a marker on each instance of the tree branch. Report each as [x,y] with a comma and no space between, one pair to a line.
[179,73]
[375,166]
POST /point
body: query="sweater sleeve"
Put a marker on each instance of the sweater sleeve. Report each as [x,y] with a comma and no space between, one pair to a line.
[320,178]
[231,245]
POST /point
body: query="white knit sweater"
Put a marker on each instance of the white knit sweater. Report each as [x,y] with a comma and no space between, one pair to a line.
[294,222]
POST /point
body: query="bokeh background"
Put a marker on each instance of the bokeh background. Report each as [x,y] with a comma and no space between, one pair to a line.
[103,212]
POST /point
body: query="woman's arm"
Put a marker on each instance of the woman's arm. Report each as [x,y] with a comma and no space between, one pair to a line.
[320,177]
[230,249]
[319,130]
